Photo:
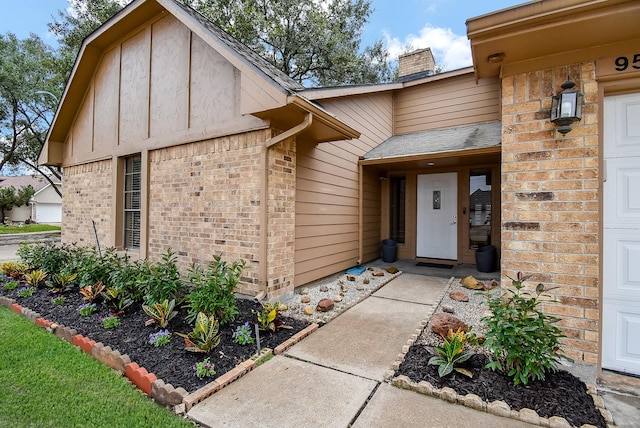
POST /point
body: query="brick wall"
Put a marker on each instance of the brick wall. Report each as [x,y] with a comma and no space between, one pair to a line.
[87,197]
[204,199]
[416,62]
[550,208]
[281,231]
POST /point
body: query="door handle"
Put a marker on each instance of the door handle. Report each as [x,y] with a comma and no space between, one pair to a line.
[455,221]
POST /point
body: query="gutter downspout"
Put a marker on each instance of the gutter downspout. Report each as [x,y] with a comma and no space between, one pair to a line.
[360,213]
[264,194]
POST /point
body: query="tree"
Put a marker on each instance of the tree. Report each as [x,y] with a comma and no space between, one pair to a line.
[314,42]
[10,198]
[27,72]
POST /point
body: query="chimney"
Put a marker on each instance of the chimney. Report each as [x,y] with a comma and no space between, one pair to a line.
[416,64]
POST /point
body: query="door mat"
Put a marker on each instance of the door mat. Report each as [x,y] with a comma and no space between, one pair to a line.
[434,265]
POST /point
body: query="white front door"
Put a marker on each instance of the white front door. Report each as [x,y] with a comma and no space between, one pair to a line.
[437,216]
[621,243]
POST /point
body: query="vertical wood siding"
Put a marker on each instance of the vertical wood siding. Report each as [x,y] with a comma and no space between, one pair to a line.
[327,195]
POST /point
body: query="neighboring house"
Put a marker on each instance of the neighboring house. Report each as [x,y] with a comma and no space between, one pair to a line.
[45,205]
[172,134]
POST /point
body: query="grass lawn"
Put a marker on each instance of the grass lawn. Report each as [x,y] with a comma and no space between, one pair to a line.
[46,382]
[27,228]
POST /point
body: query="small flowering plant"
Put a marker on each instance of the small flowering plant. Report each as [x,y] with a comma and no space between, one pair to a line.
[58,300]
[87,309]
[242,335]
[160,338]
[26,291]
[111,321]
[11,285]
[204,368]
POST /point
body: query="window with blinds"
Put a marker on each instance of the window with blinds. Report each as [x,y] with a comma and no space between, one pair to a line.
[132,187]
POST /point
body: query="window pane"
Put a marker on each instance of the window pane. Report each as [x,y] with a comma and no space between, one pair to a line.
[132,197]
[397,209]
[479,209]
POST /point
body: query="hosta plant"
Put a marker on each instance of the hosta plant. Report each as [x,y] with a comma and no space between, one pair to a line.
[523,340]
[452,353]
[204,336]
[160,313]
[91,293]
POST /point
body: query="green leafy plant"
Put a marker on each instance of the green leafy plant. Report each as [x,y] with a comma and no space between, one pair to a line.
[242,335]
[204,336]
[11,285]
[86,309]
[26,291]
[269,316]
[116,301]
[160,313]
[50,257]
[213,291]
[91,293]
[160,338]
[204,368]
[35,278]
[58,300]
[451,353]
[61,282]
[523,340]
[14,269]
[111,321]
[161,281]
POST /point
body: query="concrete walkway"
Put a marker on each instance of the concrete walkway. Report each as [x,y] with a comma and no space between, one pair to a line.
[334,377]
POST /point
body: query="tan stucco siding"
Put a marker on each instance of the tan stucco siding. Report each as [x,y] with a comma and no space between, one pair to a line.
[204,200]
[158,87]
[89,199]
[550,200]
[446,103]
[327,198]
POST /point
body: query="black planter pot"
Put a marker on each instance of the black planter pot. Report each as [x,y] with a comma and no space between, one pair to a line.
[486,257]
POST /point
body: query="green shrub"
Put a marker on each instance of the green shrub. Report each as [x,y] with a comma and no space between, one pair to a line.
[213,291]
[61,282]
[49,257]
[524,341]
[161,281]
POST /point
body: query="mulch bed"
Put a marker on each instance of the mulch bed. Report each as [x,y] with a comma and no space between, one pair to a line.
[559,394]
[171,362]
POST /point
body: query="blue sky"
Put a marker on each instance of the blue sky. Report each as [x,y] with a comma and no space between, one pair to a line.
[401,24]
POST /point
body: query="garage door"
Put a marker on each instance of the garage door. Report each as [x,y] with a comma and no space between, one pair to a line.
[621,246]
[48,213]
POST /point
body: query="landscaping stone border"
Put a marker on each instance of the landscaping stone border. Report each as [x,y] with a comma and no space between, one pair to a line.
[163,393]
[498,408]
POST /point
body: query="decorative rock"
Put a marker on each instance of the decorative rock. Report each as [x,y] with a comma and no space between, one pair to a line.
[325,305]
[460,296]
[442,323]
[447,309]
[378,273]
[337,298]
[304,291]
[351,278]
[499,408]
[305,299]
[529,416]
[344,287]
[558,422]
[324,288]
[360,287]
[392,270]
[308,310]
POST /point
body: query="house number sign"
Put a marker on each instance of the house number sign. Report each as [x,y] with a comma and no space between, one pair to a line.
[618,64]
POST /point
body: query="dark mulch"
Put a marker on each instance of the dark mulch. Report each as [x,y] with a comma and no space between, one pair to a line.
[171,362]
[560,394]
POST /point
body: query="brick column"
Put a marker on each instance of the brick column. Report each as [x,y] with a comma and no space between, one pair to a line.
[550,208]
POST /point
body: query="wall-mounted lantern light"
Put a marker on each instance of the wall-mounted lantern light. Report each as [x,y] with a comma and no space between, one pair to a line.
[566,107]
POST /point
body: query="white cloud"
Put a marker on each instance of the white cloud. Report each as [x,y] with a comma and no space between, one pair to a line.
[450,50]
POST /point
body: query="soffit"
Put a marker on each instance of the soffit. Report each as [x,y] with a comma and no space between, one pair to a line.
[547,28]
